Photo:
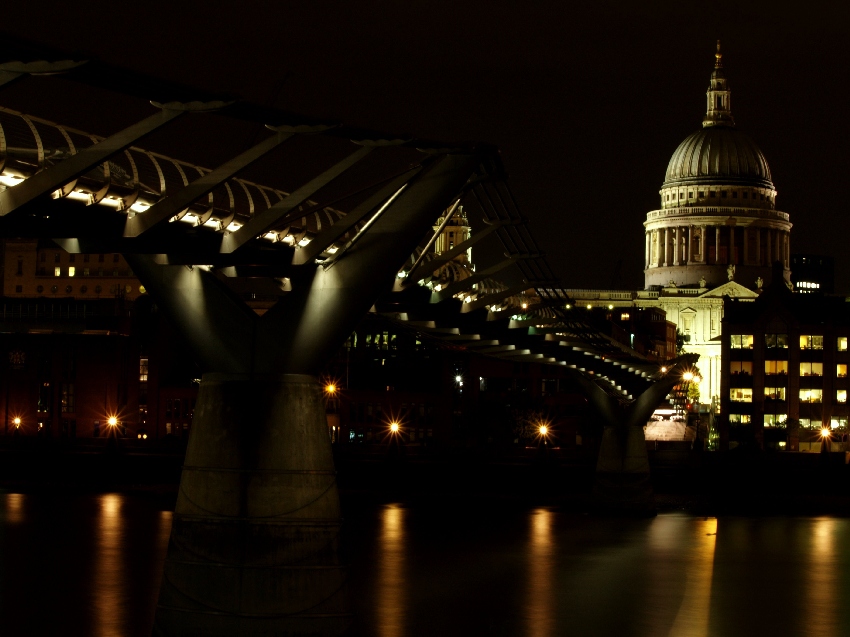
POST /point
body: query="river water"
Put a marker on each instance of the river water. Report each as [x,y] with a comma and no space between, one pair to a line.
[89,565]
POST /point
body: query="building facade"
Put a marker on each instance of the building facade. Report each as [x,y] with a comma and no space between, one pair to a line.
[785,380]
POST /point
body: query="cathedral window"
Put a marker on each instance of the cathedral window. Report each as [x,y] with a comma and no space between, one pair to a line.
[690,195]
[745,195]
[701,194]
[723,194]
[734,194]
[711,193]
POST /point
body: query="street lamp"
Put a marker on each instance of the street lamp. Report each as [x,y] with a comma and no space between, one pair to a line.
[544,430]
[17,422]
[394,427]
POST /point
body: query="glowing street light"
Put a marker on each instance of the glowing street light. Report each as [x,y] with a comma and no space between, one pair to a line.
[16,422]
[330,389]
[112,422]
[544,430]
[825,432]
[394,427]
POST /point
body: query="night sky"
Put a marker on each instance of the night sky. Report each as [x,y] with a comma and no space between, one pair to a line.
[586,101]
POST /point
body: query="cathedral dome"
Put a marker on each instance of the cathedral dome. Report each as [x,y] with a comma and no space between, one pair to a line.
[718,154]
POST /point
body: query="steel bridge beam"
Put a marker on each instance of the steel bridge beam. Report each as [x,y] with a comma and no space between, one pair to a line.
[50,179]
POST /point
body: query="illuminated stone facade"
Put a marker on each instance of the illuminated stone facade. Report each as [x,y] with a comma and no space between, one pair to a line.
[715,236]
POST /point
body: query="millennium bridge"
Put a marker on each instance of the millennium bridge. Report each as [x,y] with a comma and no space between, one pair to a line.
[330,221]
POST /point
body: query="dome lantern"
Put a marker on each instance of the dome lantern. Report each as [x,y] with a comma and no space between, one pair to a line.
[719,106]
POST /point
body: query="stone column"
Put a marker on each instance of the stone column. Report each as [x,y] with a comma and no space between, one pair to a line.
[746,234]
[689,252]
[665,258]
[779,245]
[646,259]
[769,246]
[758,246]
[678,252]
[732,244]
[787,249]
[702,244]
[716,244]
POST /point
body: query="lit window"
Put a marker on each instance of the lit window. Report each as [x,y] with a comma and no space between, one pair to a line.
[811,369]
[742,394]
[741,341]
[811,341]
[57,271]
[838,422]
[776,367]
[624,316]
[774,393]
[775,420]
[741,367]
[739,419]
[841,395]
[811,395]
[72,270]
[806,423]
[842,343]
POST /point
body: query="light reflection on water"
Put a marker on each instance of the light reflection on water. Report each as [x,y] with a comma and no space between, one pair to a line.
[823,582]
[91,566]
[110,589]
[540,605]
[391,602]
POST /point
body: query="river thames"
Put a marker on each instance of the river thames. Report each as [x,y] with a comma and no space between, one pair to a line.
[90,564]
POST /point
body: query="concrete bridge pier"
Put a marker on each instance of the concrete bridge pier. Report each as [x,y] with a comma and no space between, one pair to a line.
[255,537]
[623,484]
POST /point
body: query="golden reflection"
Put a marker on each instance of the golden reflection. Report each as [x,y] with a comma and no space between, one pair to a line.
[692,618]
[14,508]
[540,605]
[822,575]
[109,584]
[391,602]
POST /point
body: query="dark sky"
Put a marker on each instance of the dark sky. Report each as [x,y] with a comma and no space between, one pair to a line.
[587,101]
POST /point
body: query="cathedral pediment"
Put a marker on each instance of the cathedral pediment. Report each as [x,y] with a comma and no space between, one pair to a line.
[731,289]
